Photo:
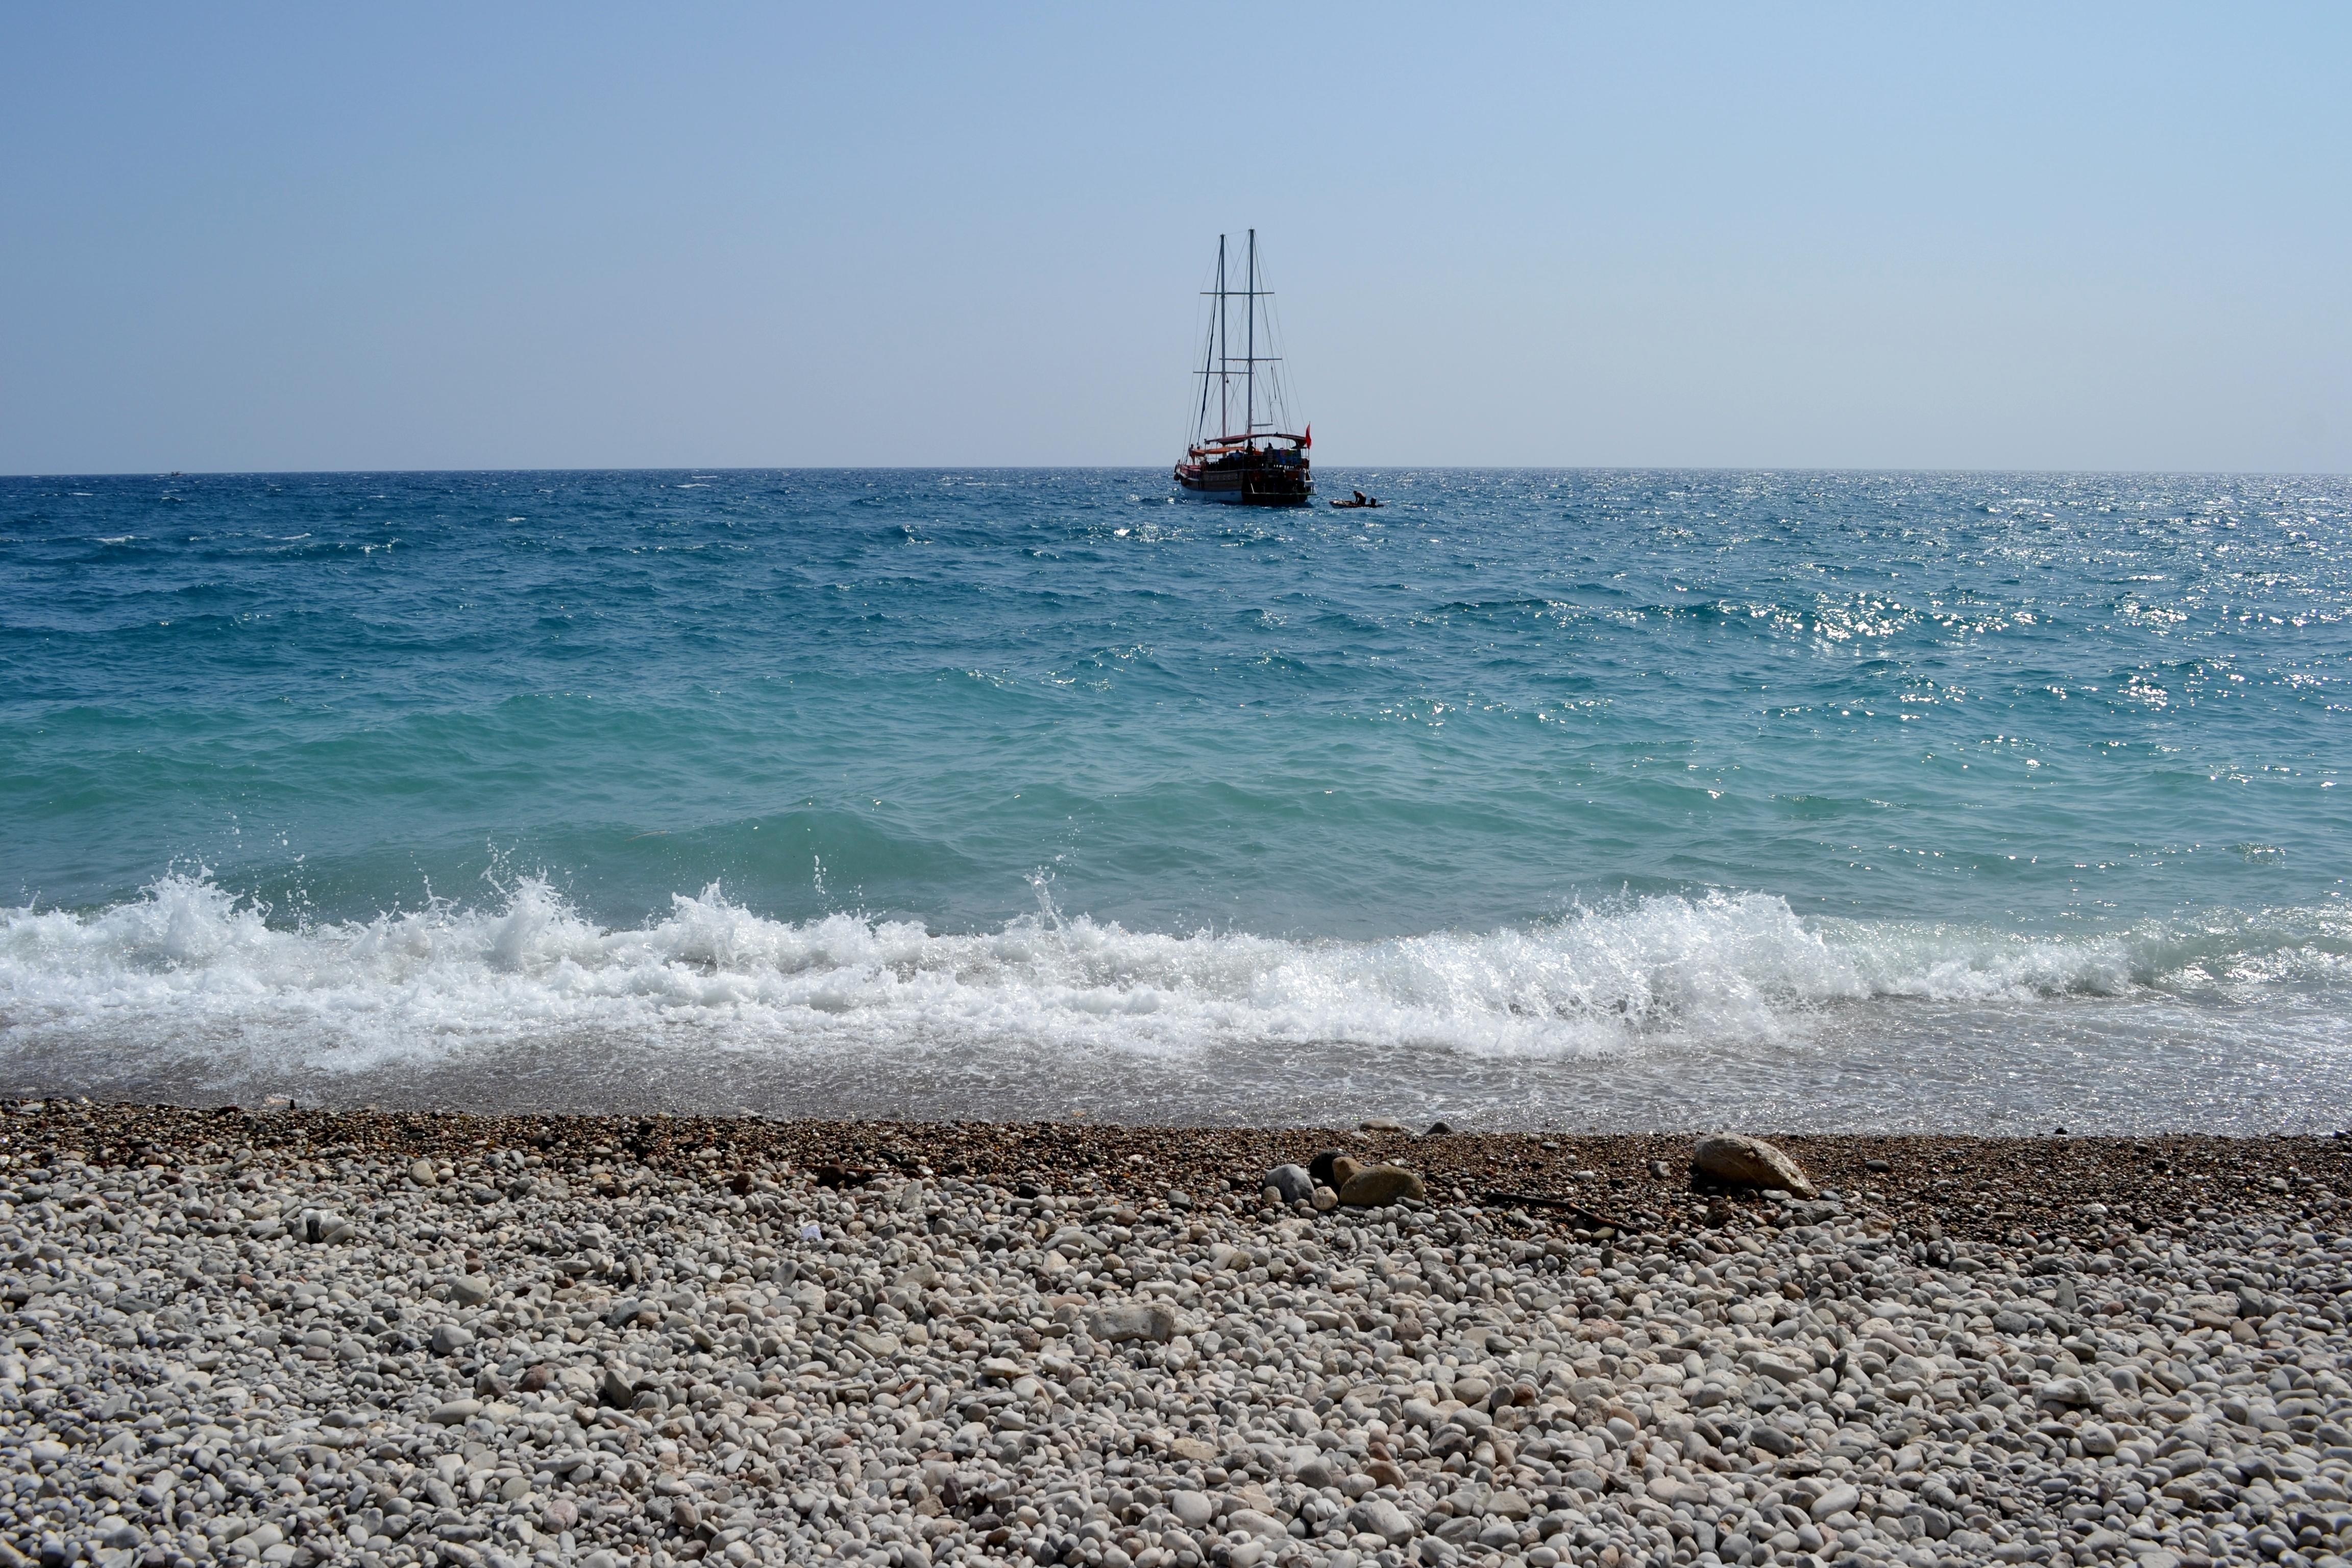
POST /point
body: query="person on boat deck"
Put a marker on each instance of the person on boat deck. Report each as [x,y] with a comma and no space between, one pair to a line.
[1361,498]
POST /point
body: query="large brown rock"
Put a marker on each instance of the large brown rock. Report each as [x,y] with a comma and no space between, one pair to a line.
[1744,1162]
[1375,1186]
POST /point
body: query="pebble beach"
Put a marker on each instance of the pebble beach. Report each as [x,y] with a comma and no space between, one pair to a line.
[291,1338]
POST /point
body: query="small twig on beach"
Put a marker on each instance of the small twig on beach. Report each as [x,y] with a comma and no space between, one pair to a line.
[1532,1200]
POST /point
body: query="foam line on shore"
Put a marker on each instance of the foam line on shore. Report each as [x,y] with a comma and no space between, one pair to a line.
[190,958]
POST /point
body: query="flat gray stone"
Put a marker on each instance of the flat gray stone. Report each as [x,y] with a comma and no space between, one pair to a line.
[1151,1320]
[1292,1183]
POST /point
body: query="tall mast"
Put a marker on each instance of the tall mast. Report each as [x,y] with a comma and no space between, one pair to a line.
[1225,366]
[1249,376]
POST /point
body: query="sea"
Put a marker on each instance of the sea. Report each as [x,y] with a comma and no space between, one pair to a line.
[1989,803]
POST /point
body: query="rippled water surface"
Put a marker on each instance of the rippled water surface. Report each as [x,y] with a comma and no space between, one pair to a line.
[1556,799]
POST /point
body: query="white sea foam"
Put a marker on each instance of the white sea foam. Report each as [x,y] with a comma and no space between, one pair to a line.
[189,962]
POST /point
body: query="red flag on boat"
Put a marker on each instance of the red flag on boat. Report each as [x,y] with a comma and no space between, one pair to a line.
[1309,439]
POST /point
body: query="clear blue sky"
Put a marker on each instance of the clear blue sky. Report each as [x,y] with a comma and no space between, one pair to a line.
[342,237]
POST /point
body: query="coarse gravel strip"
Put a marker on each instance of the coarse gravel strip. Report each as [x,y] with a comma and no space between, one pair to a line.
[290,1338]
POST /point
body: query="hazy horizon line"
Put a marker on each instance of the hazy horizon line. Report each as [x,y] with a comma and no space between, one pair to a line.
[1135,468]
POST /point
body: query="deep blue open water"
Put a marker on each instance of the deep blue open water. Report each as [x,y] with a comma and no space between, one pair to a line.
[1561,798]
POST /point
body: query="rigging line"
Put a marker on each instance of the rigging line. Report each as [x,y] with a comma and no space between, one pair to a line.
[1280,395]
[1208,350]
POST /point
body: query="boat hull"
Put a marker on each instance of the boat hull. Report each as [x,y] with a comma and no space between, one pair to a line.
[1288,484]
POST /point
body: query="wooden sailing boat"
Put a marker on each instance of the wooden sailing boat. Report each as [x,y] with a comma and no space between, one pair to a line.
[1249,460]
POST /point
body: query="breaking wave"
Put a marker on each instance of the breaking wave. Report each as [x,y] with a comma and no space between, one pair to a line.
[190,962]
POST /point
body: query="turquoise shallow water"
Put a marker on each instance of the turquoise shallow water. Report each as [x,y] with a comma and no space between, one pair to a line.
[1592,797]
